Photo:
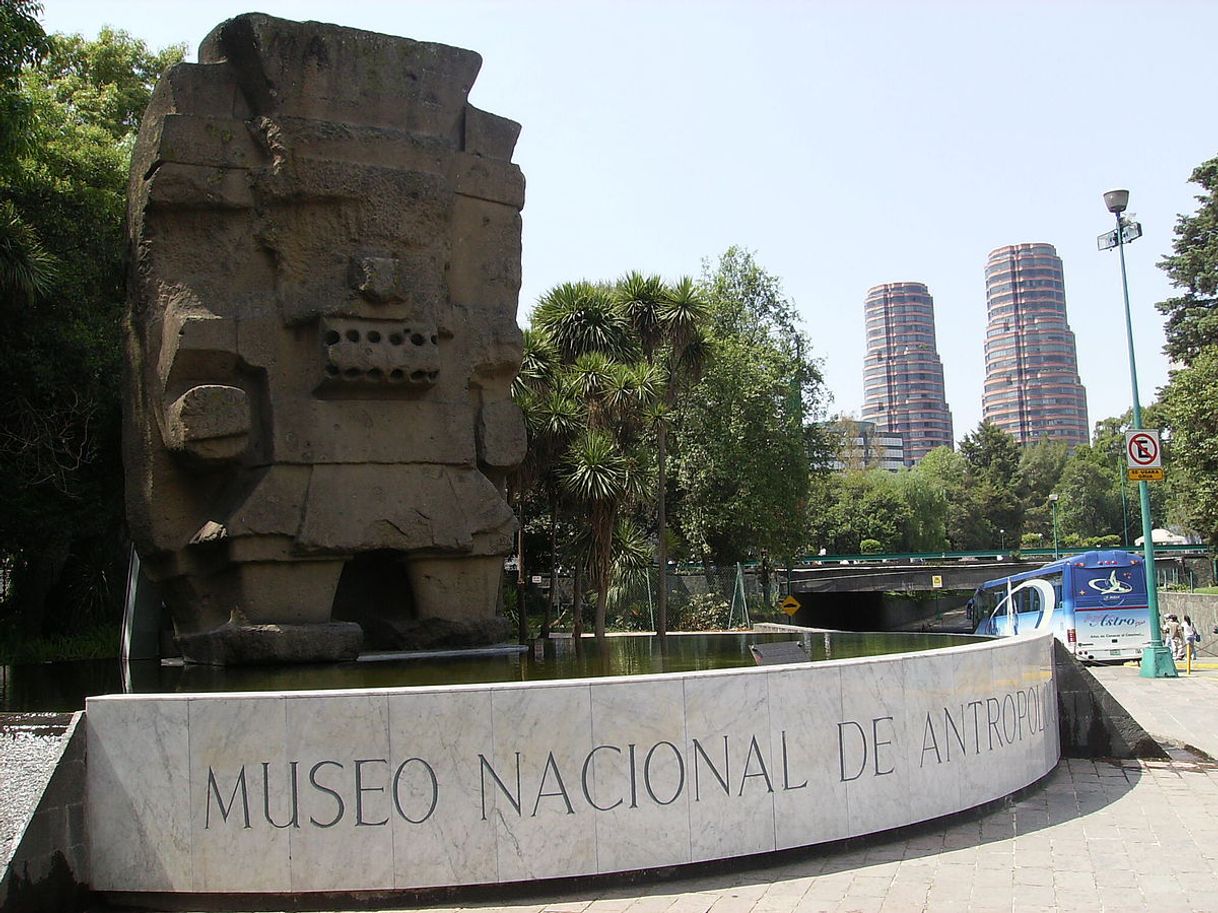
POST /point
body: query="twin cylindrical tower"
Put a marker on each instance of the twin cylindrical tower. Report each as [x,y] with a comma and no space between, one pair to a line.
[1032,388]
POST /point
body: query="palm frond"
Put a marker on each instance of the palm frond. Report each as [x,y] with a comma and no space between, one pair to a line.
[641,299]
[538,364]
[596,469]
[684,310]
[27,269]
[580,317]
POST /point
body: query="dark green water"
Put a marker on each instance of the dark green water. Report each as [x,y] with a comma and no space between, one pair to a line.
[64,686]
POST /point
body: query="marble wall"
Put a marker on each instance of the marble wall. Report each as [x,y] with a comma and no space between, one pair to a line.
[423,787]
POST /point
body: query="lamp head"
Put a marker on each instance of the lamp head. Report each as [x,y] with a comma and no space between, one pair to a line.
[1116,201]
[1053,497]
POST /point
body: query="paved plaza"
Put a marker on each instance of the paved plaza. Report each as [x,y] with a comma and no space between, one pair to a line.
[1095,836]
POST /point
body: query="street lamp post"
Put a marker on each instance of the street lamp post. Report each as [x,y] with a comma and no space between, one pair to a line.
[1157,660]
[1002,540]
[1053,503]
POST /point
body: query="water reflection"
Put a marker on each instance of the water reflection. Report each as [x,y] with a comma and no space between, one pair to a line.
[64,686]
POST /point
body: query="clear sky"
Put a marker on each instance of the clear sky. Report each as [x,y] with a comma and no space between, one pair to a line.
[845,143]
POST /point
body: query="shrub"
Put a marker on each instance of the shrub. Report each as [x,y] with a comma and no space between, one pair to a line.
[870,547]
[703,612]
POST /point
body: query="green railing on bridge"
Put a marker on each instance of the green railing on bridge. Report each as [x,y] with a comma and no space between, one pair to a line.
[1023,554]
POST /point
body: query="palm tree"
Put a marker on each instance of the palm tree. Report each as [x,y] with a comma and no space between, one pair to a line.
[682,315]
[552,416]
[597,477]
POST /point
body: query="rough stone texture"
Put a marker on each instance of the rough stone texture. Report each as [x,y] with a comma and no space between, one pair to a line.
[321,339]
[43,862]
[250,645]
[435,634]
[1092,723]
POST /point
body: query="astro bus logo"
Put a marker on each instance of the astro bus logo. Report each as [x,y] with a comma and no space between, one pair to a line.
[1110,586]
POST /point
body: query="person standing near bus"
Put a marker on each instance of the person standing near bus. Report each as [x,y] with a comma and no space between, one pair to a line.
[1173,636]
[1191,636]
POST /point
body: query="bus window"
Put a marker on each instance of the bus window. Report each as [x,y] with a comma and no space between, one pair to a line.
[1056,580]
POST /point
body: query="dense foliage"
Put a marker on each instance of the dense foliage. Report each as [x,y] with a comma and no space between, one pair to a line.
[665,418]
[989,495]
[1190,406]
[63,178]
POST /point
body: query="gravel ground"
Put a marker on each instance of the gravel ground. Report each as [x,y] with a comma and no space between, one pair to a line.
[30,746]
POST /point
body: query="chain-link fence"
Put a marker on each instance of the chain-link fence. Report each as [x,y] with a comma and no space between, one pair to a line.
[699,599]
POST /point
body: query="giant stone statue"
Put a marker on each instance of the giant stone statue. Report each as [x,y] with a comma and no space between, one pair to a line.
[321,341]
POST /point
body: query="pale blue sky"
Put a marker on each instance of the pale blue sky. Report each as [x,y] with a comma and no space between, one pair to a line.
[847,144]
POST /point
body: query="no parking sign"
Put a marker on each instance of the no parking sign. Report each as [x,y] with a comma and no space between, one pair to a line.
[1144,456]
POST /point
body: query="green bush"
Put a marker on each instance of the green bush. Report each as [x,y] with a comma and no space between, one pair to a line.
[870,547]
[703,612]
[98,642]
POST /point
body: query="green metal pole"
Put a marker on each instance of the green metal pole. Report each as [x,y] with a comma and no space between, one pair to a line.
[1055,552]
[1157,660]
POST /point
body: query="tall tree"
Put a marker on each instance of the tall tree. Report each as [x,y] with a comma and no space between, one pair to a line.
[668,323]
[1188,402]
[23,43]
[1040,468]
[60,472]
[1192,267]
[993,458]
[596,365]
[1191,409]
[743,442]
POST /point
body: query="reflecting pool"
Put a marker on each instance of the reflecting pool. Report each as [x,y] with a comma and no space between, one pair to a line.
[65,685]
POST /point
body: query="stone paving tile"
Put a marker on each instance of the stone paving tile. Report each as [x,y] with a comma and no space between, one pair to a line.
[1095,837]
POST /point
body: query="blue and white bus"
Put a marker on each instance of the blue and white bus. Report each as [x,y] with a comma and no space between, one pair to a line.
[1095,603]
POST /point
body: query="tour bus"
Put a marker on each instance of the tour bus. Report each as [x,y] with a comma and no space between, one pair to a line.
[1095,603]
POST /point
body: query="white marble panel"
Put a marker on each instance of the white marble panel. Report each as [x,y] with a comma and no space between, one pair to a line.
[235,846]
[961,726]
[1040,672]
[1016,740]
[504,783]
[871,740]
[447,731]
[639,774]
[341,742]
[543,827]
[138,794]
[809,798]
[731,809]
[932,752]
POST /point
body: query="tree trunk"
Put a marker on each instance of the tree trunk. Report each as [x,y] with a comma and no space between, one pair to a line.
[662,527]
[602,598]
[603,517]
[764,571]
[577,607]
[522,612]
[548,617]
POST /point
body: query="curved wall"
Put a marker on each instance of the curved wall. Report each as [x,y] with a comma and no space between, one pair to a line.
[415,788]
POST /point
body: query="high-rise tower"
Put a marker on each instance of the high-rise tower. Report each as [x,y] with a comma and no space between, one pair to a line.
[902,373]
[1032,389]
